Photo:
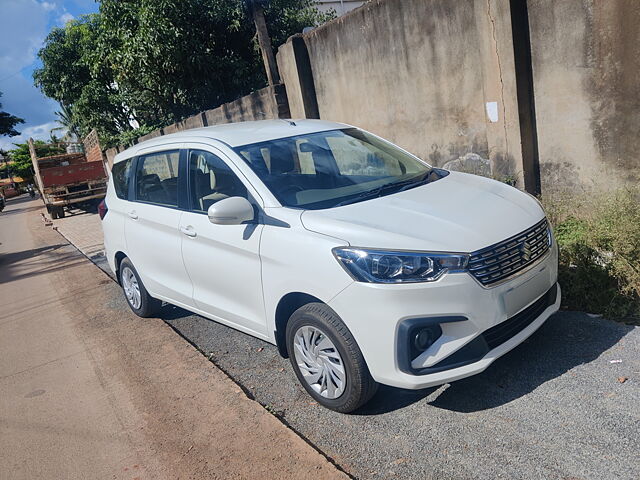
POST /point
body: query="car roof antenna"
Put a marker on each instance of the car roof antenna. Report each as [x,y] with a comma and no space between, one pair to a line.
[290,122]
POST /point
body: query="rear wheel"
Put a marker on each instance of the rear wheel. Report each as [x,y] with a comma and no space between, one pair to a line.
[56,212]
[139,300]
[327,360]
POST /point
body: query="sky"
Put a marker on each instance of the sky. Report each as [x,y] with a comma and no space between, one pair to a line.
[24,24]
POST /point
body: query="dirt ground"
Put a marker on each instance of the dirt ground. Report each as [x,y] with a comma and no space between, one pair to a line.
[88,390]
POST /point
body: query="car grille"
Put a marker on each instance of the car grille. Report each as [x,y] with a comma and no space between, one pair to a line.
[493,264]
[508,329]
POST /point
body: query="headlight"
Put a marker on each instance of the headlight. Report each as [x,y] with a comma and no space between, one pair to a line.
[381,266]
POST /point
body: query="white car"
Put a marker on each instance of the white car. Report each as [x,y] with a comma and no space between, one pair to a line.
[361,262]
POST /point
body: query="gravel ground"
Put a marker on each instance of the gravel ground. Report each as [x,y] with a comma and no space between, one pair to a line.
[553,408]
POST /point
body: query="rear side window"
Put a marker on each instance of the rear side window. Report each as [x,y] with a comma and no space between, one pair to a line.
[157,178]
[121,173]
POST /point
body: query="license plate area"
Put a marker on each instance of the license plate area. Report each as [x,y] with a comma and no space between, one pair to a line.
[520,296]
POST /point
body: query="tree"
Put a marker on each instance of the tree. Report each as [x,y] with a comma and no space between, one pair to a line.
[153,63]
[78,79]
[21,158]
[67,122]
[8,123]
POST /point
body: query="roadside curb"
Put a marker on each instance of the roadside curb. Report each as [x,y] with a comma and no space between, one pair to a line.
[105,269]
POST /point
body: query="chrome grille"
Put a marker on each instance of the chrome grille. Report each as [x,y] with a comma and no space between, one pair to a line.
[497,262]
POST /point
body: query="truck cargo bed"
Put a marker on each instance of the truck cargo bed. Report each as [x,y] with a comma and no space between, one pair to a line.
[69,174]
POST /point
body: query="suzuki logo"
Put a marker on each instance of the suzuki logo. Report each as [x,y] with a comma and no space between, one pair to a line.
[526,252]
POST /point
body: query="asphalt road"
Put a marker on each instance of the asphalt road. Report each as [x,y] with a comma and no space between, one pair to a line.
[551,409]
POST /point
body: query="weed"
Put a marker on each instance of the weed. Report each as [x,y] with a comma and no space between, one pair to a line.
[598,236]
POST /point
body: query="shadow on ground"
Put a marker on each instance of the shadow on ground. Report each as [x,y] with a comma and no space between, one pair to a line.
[36,261]
[21,210]
[565,341]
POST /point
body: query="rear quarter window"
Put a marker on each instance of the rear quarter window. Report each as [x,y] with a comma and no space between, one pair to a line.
[121,173]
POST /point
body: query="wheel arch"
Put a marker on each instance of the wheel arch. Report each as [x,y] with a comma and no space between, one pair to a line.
[286,306]
[118,257]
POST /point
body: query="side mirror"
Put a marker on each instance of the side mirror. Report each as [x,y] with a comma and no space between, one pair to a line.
[231,211]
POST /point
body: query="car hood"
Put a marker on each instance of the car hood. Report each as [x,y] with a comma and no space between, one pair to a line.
[458,213]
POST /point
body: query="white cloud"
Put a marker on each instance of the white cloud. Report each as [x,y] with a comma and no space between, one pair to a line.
[24,24]
[48,6]
[37,132]
[23,28]
[65,17]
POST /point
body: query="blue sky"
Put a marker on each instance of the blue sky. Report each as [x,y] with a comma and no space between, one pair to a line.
[24,24]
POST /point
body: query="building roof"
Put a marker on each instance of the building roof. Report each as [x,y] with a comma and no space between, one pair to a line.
[237,134]
[7,182]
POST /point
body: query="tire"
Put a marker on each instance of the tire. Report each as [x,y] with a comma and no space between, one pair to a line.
[57,212]
[312,325]
[138,299]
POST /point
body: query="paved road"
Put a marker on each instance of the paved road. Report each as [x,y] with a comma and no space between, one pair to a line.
[551,409]
[89,391]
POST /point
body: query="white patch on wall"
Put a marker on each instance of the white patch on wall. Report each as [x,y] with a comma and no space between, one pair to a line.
[492,111]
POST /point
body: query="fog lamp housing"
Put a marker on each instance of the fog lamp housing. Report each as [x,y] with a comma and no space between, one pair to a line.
[423,337]
[417,335]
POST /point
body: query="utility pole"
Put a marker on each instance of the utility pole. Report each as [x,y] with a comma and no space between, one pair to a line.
[257,13]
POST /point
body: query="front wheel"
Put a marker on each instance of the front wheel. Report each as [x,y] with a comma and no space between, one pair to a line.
[327,360]
[139,300]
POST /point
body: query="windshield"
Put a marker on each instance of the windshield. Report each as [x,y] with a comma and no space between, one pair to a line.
[334,168]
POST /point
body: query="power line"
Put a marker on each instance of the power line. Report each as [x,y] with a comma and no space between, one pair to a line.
[14,74]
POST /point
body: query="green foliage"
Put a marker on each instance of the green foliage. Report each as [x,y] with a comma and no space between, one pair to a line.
[127,138]
[8,123]
[157,62]
[75,76]
[67,122]
[21,158]
[599,240]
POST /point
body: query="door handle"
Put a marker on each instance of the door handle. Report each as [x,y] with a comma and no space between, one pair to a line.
[133,214]
[188,231]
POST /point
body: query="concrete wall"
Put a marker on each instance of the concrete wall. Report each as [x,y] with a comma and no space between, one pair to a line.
[295,69]
[92,149]
[420,73]
[339,6]
[586,70]
[267,103]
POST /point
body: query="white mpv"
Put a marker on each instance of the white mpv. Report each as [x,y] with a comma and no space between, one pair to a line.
[361,262]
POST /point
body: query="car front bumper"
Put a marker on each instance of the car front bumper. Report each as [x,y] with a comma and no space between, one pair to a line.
[467,313]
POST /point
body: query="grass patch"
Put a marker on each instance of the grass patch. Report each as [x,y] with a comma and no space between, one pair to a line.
[598,236]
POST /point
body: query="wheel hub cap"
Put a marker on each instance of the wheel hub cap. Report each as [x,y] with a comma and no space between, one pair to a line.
[131,288]
[319,362]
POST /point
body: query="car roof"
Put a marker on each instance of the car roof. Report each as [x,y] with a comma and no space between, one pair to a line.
[238,134]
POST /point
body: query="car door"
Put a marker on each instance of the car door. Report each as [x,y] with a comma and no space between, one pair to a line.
[222,261]
[151,227]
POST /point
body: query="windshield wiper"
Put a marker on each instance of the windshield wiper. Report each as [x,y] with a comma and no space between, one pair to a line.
[414,183]
[362,196]
[376,192]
